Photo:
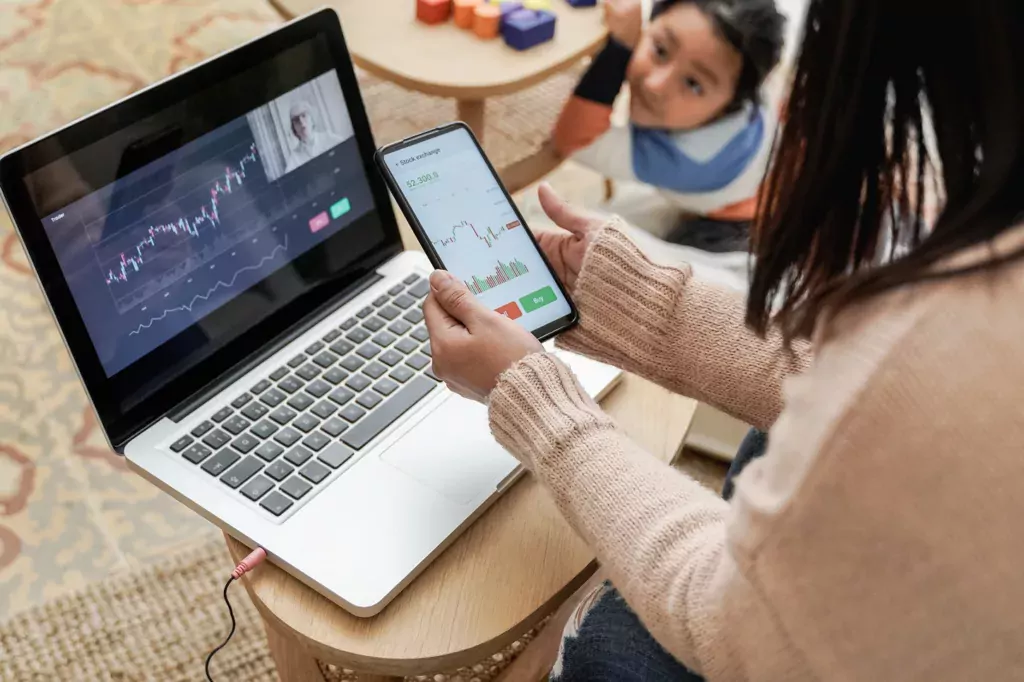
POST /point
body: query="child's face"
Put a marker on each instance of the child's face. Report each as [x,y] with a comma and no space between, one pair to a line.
[682,74]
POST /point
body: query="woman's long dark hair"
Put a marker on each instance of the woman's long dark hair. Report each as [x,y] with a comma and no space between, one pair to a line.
[852,158]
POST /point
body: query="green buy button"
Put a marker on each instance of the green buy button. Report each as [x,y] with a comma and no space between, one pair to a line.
[340,208]
[537,299]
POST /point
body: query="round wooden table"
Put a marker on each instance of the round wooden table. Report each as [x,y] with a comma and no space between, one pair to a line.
[509,570]
[385,38]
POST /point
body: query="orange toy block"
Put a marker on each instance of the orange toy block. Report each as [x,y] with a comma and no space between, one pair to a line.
[433,11]
[464,12]
[486,21]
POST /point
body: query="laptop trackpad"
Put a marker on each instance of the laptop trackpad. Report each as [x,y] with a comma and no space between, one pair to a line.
[452,452]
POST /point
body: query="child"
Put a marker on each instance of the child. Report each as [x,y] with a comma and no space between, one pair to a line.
[698,131]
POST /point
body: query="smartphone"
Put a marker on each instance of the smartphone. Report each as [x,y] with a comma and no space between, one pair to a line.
[469,225]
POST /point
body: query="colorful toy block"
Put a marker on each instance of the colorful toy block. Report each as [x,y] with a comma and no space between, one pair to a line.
[486,21]
[464,10]
[582,3]
[433,11]
[537,5]
[528,28]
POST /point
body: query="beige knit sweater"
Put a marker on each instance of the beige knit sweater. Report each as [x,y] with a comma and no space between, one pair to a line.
[881,538]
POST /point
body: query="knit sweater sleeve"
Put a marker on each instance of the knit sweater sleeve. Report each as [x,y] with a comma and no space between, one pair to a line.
[669,326]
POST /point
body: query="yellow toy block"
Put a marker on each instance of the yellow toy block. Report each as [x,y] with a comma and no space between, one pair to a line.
[537,4]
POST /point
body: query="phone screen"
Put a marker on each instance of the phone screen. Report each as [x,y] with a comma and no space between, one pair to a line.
[474,229]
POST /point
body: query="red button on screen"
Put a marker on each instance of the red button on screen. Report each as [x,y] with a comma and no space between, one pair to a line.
[510,310]
[319,222]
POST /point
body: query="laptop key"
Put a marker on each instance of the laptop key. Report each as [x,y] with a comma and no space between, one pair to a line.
[257,488]
[315,472]
[397,289]
[420,289]
[389,312]
[375,370]
[202,429]
[269,451]
[283,415]
[335,375]
[404,301]
[341,395]
[385,387]
[415,316]
[308,371]
[357,382]
[290,384]
[399,327]
[319,388]
[374,324]
[324,409]
[426,350]
[412,279]
[235,425]
[255,411]
[216,439]
[335,454]
[265,429]
[369,400]
[358,335]
[420,334]
[384,339]
[298,455]
[325,359]
[279,373]
[241,472]
[364,313]
[306,423]
[352,413]
[402,374]
[222,414]
[273,397]
[342,347]
[239,402]
[315,348]
[260,386]
[297,361]
[287,436]
[197,453]
[348,324]
[391,357]
[407,346]
[380,300]
[276,503]
[331,336]
[385,415]
[333,427]
[316,441]
[418,361]
[368,350]
[279,470]
[296,487]
[245,443]
[300,402]
[217,464]
[352,363]
[181,443]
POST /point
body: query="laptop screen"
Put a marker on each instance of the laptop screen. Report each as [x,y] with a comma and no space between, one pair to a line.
[179,231]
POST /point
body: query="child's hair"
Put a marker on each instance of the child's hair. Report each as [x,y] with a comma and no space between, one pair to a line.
[755,28]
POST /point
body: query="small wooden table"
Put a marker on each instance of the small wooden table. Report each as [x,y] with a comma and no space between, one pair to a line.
[509,570]
[385,38]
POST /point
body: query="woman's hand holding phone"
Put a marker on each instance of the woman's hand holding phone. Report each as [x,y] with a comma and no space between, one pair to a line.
[471,344]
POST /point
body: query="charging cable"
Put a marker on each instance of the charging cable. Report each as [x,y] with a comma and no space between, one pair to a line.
[255,558]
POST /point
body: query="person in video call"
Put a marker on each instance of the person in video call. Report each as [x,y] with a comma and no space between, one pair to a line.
[307,141]
[879,537]
[698,131]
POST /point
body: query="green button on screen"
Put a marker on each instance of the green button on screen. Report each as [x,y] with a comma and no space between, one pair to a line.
[340,208]
[538,299]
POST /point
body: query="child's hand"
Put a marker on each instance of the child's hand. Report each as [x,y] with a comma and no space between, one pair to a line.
[624,19]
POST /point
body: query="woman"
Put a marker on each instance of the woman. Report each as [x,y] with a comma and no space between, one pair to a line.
[879,537]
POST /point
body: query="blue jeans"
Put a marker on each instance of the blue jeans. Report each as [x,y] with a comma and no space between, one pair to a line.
[608,643]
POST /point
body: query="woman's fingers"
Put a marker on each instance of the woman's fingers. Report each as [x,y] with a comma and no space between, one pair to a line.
[562,213]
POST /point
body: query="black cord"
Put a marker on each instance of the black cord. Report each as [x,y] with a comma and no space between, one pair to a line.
[231,613]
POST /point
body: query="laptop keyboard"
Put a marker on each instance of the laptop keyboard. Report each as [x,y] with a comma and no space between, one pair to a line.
[282,439]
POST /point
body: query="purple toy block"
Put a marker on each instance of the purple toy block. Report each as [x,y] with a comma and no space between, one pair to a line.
[526,28]
[582,3]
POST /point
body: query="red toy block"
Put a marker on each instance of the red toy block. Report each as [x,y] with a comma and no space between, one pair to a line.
[433,11]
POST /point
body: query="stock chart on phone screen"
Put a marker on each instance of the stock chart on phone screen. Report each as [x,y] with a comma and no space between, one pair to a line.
[474,229]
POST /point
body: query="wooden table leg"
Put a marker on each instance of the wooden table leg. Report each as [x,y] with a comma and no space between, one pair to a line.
[377,678]
[472,112]
[292,661]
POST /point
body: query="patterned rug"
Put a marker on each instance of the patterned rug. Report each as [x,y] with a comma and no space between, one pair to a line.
[70,513]
[159,624]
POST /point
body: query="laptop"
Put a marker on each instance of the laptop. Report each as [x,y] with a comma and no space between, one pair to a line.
[224,264]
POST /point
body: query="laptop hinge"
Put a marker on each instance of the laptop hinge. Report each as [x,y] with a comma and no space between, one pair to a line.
[206,394]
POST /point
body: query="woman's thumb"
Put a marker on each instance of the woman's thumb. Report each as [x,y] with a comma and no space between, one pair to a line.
[561,212]
[456,299]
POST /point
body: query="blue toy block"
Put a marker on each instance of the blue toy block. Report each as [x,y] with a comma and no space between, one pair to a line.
[508,8]
[528,28]
[582,3]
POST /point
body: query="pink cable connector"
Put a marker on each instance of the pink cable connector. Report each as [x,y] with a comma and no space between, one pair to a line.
[255,558]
